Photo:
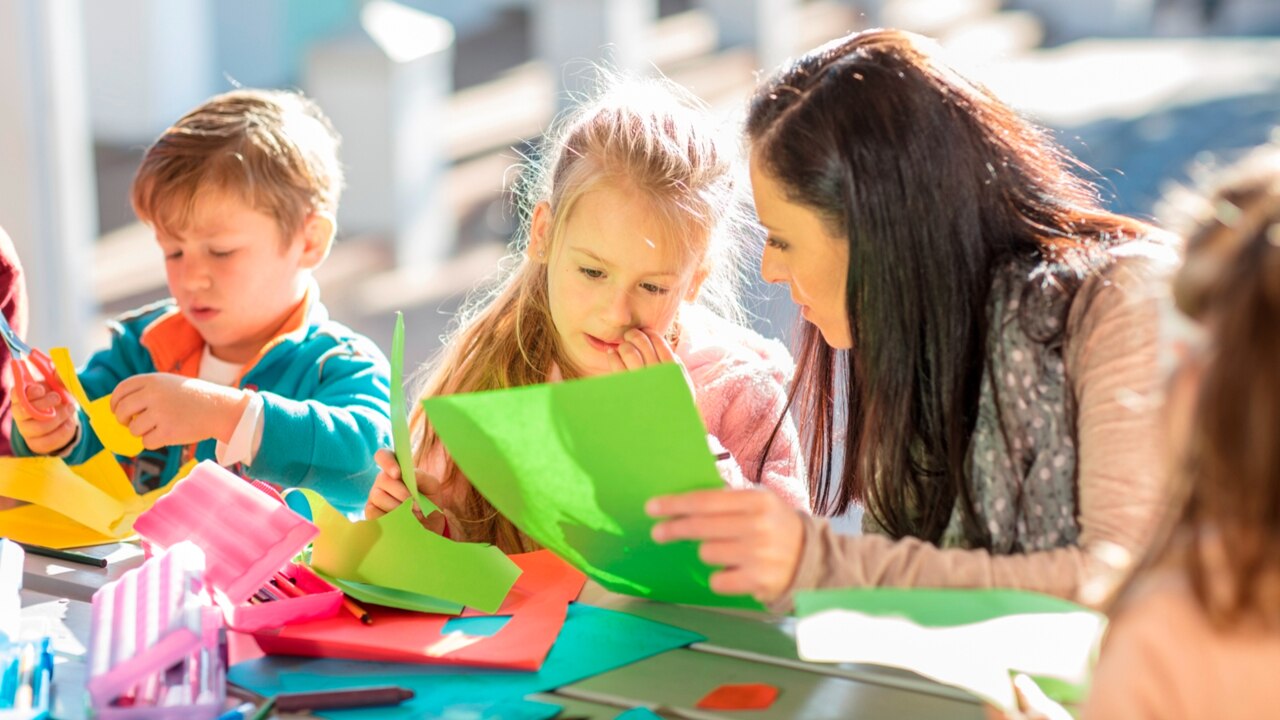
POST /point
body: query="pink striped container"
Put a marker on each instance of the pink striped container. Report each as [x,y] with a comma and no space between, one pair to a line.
[153,645]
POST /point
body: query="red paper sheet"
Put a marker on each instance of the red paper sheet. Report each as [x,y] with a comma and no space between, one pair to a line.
[747,696]
[537,605]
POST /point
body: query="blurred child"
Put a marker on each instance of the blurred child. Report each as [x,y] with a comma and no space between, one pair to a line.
[13,303]
[242,364]
[630,261]
[1196,633]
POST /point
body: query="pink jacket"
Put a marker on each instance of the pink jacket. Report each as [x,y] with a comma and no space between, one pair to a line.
[740,383]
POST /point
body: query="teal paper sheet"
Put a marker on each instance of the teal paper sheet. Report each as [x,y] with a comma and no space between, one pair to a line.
[572,465]
[593,641]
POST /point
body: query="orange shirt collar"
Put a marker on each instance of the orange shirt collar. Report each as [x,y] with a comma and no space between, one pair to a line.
[176,346]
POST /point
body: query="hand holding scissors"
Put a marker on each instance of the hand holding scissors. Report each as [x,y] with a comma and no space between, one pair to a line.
[38,419]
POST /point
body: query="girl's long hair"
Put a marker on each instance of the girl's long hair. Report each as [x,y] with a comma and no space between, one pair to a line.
[937,186]
[648,138]
[1225,523]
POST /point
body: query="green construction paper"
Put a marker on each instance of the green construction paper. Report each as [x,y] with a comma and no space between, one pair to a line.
[933,607]
[400,419]
[572,464]
[395,551]
[935,632]
[389,597]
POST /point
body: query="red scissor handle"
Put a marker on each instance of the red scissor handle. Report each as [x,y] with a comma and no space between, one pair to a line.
[24,377]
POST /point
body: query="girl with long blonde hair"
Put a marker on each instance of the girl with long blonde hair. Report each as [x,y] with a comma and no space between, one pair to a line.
[630,257]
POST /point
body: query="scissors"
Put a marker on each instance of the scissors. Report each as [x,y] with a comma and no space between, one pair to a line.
[24,356]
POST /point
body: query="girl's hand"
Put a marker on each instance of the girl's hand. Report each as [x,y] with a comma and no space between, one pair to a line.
[642,347]
[752,534]
[389,491]
[45,437]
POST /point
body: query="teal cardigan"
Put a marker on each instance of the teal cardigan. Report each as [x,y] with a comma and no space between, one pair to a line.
[325,392]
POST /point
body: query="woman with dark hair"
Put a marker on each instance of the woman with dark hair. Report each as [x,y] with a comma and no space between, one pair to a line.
[981,344]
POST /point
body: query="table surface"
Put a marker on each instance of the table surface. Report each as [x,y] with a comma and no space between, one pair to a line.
[741,647]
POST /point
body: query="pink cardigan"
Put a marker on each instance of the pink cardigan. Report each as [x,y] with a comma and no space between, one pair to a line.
[740,383]
[740,386]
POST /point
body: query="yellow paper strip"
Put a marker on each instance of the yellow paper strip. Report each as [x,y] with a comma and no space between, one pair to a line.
[48,482]
[113,434]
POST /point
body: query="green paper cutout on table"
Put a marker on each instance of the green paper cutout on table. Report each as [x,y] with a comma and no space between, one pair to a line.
[392,598]
[933,632]
[394,552]
[572,464]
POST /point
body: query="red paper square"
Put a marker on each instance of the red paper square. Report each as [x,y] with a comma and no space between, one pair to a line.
[747,696]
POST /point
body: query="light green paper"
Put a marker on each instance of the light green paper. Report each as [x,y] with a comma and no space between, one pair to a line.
[388,597]
[394,551]
[572,464]
[400,419]
[933,607]
[971,639]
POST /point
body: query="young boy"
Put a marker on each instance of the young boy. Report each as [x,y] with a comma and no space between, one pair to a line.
[242,364]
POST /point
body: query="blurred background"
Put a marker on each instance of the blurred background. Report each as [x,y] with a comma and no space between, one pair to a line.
[435,98]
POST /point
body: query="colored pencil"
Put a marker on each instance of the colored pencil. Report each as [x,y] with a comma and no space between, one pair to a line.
[354,608]
[332,700]
[68,555]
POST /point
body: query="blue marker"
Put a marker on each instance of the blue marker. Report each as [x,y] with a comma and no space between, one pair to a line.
[239,713]
[9,679]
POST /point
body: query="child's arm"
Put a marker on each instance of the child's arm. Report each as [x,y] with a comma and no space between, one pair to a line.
[105,369]
[54,435]
[755,398]
[327,440]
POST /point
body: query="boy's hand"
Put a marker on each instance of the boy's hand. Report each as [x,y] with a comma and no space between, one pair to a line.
[389,491]
[165,409]
[45,437]
[753,535]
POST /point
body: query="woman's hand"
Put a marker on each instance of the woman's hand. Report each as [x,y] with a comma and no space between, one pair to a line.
[389,491]
[752,534]
[1033,704]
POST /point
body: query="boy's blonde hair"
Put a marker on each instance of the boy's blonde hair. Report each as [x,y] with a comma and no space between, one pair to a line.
[272,149]
[649,138]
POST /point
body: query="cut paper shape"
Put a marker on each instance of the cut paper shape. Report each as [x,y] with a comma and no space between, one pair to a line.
[537,611]
[638,713]
[395,551]
[935,632]
[479,626]
[403,447]
[88,504]
[451,642]
[113,434]
[392,598]
[744,696]
[572,465]
[550,576]
[593,641]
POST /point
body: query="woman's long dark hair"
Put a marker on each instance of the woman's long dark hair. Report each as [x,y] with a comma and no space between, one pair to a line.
[936,185]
